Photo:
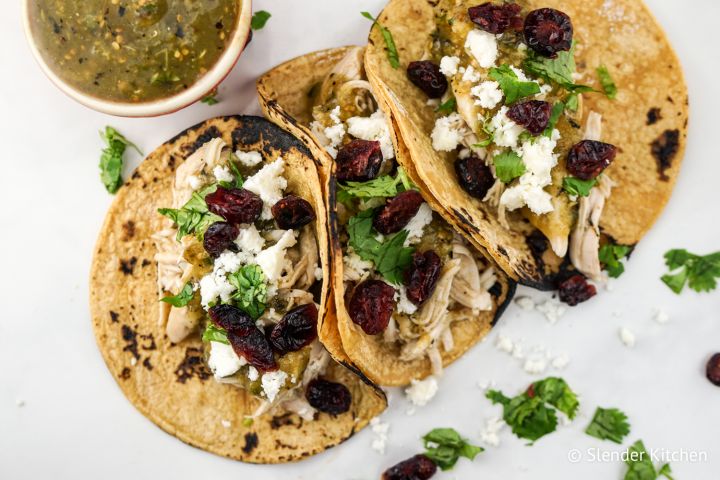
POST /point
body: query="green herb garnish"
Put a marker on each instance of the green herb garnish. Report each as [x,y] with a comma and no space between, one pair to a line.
[259,19]
[384,186]
[194,216]
[182,298]
[512,87]
[111,159]
[555,114]
[640,465]
[699,272]
[211,98]
[508,166]
[609,424]
[251,293]
[610,256]
[447,107]
[572,102]
[607,83]
[558,70]
[444,446]
[215,334]
[392,53]
[578,187]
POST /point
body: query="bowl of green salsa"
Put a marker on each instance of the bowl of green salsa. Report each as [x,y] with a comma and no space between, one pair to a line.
[137,58]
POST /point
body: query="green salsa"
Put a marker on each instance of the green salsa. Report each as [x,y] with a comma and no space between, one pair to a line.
[132,50]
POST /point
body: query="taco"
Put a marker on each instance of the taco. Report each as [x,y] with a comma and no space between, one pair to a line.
[229,361]
[411,294]
[500,108]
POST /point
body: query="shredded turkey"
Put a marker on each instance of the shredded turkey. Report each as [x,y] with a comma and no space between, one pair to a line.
[467,288]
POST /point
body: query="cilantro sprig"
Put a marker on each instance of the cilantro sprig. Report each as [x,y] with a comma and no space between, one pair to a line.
[608,85]
[640,464]
[513,88]
[699,272]
[215,334]
[390,47]
[559,70]
[508,166]
[578,187]
[111,158]
[609,424]
[384,186]
[251,293]
[610,255]
[194,216]
[182,298]
[555,114]
[445,446]
[259,19]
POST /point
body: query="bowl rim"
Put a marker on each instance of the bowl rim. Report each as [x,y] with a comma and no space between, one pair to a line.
[161,106]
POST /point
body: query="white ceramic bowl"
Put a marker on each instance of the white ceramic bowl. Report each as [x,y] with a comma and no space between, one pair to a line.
[161,106]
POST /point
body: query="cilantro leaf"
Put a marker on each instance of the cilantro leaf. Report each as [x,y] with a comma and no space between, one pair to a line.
[251,293]
[557,393]
[111,158]
[383,186]
[559,70]
[194,216]
[211,98]
[392,53]
[215,334]
[259,19]
[444,446]
[666,472]
[699,272]
[182,298]
[640,466]
[512,87]
[390,257]
[447,107]
[610,256]
[557,110]
[573,102]
[578,187]
[607,82]
[609,424]
[508,166]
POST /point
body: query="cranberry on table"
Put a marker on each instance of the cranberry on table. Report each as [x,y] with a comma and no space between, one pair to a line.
[548,31]
[236,205]
[220,236]
[292,212]
[534,115]
[230,318]
[358,161]
[474,176]
[371,306]
[296,329]
[422,276]
[252,344]
[713,369]
[427,77]
[575,290]
[496,19]
[587,159]
[328,397]
[397,212]
[419,467]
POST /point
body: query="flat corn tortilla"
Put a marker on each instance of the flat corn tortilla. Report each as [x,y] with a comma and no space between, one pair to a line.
[170,383]
[647,121]
[289,103]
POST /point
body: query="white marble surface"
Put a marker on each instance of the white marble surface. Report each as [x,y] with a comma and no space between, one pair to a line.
[75,423]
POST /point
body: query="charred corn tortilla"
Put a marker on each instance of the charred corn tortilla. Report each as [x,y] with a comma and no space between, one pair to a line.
[647,122]
[290,104]
[169,383]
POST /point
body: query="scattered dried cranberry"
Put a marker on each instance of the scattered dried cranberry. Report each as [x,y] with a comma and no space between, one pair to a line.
[219,237]
[427,77]
[575,290]
[329,397]
[548,31]
[589,158]
[534,115]
[236,205]
[419,467]
[713,369]
[293,212]
[252,344]
[496,19]
[397,212]
[359,161]
[371,306]
[297,329]
[474,176]
[230,318]
[422,276]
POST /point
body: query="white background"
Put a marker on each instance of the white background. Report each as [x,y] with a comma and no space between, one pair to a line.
[76,424]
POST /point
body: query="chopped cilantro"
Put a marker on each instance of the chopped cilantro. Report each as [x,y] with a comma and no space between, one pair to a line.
[640,465]
[182,298]
[447,107]
[111,159]
[194,216]
[607,82]
[610,256]
[392,53]
[512,87]
[572,102]
[383,186]
[609,424]
[251,293]
[559,70]
[699,272]
[508,166]
[578,187]
[555,113]
[211,98]
[444,446]
[215,334]
[259,19]
[232,163]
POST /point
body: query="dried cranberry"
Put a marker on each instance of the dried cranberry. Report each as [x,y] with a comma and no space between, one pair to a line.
[713,369]
[329,397]
[251,343]
[219,237]
[230,318]
[474,176]
[427,76]
[372,305]
[398,212]
[589,158]
[359,161]
[548,31]
[533,115]
[296,329]
[422,276]
[293,212]
[575,290]
[496,19]
[236,205]
[419,467]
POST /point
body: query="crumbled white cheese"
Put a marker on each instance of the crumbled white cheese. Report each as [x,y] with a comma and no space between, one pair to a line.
[449,65]
[471,75]
[526,303]
[504,343]
[222,174]
[627,337]
[249,159]
[249,240]
[561,361]
[19,402]
[505,131]
[447,133]
[194,182]
[535,365]
[268,184]
[537,199]
[420,392]
[520,74]
[334,133]
[538,156]
[380,429]
[544,90]
[318,273]
[552,310]
[272,260]
[661,316]
[486,384]
[225,423]
[214,285]
[403,304]
[253,374]
[355,267]
[488,94]
[223,361]
[272,382]
[489,435]
[417,224]
[483,46]
[374,127]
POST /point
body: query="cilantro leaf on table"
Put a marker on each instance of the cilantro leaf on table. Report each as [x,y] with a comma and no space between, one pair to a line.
[111,158]
[513,88]
[508,166]
[559,70]
[607,82]
[578,187]
[640,464]
[609,424]
[557,393]
[194,216]
[215,334]
[390,48]
[384,186]
[699,272]
[444,446]
[182,298]
[251,293]
[259,19]
[610,256]
[211,98]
